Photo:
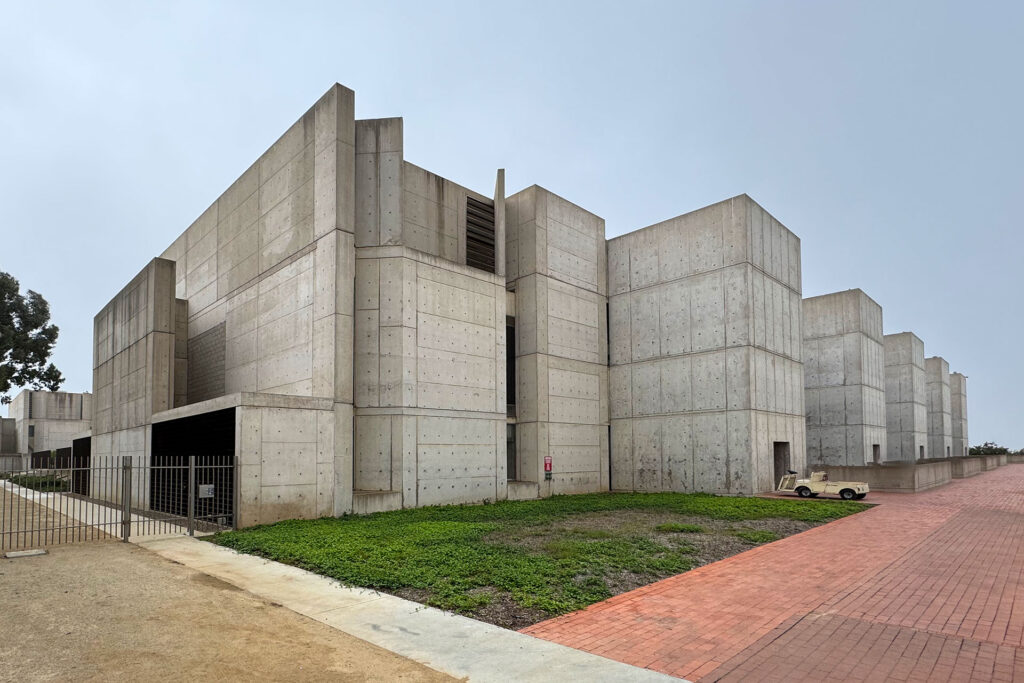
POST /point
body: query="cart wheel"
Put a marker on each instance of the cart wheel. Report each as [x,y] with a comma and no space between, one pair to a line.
[847,494]
[804,492]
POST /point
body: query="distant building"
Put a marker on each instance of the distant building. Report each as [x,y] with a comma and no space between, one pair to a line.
[41,421]
[906,398]
[940,409]
[844,379]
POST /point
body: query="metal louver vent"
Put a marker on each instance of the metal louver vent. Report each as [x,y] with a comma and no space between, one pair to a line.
[479,235]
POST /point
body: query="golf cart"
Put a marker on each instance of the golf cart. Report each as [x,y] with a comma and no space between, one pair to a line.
[819,483]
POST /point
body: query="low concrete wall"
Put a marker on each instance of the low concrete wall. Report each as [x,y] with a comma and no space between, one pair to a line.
[990,462]
[1015,459]
[966,467]
[898,477]
[13,463]
[1003,459]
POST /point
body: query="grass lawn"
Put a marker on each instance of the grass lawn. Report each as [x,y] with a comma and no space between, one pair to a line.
[516,563]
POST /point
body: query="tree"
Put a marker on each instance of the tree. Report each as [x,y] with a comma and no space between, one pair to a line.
[26,340]
[989,448]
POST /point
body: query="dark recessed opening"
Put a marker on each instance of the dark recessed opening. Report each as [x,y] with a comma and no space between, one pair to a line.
[479,234]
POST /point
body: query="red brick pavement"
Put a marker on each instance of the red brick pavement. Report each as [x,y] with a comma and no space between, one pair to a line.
[924,586]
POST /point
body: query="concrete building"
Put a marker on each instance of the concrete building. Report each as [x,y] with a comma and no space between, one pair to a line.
[337,317]
[41,421]
[706,378]
[940,413]
[363,334]
[906,397]
[844,379]
[557,274]
[958,413]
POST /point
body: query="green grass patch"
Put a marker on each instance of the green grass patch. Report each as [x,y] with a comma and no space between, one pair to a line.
[678,528]
[756,536]
[40,482]
[463,555]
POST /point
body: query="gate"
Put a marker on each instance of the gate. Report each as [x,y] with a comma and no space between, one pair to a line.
[93,498]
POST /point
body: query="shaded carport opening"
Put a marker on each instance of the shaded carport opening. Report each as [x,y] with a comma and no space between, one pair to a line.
[211,438]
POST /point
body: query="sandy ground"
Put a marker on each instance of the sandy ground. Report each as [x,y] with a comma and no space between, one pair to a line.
[110,611]
[28,525]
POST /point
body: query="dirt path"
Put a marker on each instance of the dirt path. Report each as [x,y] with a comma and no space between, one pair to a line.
[25,524]
[110,611]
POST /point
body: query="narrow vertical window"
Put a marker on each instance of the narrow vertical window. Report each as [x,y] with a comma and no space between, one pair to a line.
[510,453]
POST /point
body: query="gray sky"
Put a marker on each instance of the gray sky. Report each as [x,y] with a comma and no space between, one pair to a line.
[886,135]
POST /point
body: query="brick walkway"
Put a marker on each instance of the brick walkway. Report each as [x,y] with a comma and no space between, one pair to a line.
[924,587]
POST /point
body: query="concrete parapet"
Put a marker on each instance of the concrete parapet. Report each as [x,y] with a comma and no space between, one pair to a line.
[523,490]
[895,477]
[368,502]
[1015,459]
[966,467]
[990,462]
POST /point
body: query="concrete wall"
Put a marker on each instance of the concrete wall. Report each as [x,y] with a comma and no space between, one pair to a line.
[940,418]
[287,454]
[991,462]
[556,265]
[966,467]
[133,361]
[430,338]
[958,413]
[844,379]
[264,280]
[272,260]
[906,396]
[706,348]
[898,477]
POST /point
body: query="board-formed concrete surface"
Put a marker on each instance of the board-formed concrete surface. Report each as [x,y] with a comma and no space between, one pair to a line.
[958,410]
[706,377]
[922,587]
[844,379]
[940,412]
[906,398]
[555,263]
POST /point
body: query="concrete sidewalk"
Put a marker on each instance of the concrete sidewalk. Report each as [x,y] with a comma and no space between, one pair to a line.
[456,645]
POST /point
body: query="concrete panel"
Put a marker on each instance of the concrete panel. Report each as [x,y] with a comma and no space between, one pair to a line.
[704,310]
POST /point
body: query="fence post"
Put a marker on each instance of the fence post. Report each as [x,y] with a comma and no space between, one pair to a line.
[191,495]
[126,497]
[236,480]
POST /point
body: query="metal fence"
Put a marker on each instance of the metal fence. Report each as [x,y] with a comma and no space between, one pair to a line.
[93,498]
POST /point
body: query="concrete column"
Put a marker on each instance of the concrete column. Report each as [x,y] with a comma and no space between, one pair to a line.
[958,405]
[940,420]
[499,223]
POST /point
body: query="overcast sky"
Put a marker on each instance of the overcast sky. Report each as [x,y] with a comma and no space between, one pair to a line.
[886,135]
